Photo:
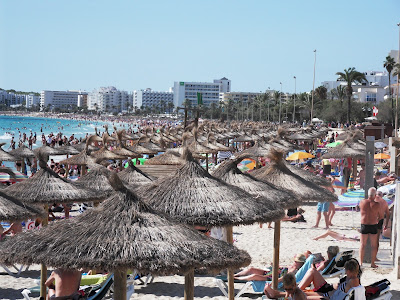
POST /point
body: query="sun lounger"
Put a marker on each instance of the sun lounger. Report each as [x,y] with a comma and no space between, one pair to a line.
[336,266]
[18,270]
[258,286]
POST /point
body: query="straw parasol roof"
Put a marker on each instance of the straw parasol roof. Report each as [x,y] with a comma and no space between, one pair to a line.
[258,150]
[89,148]
[229,172]
[307,175]
[122,233]
[12,209]
[105,154]
[279,175]
[191,195]
[46,186]
[22,152]
[350,148]
[133,176]
[47,150]
[97,179]
[5,156]
[83,157]
[141,149]
[170,157]
[68,150]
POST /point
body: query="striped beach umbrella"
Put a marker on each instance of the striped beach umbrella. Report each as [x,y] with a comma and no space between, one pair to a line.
[4,177]
[353,198]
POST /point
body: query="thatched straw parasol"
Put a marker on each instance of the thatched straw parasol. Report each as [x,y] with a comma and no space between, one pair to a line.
[307,175]
[133,176]
[22,152]
[47,150]
[258,150]
[89,148]
[46,187]
[5,156]
[97,179]
[141,149]
[191,195]
[170,157]
[68,150]
[12,209]
[123,233]
[350,148]
[228,172]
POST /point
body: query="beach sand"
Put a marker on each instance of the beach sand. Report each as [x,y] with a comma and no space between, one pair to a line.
[295,238]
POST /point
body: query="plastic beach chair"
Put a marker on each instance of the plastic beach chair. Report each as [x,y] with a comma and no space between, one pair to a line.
[336,267]
[258,286]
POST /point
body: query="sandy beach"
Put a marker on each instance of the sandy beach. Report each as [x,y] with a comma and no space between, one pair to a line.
[295,238]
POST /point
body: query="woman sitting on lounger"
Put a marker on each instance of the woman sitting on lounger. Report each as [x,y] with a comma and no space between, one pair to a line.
[322,288]
[266,275]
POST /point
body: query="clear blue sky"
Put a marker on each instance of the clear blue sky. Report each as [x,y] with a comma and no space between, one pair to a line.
[59,45]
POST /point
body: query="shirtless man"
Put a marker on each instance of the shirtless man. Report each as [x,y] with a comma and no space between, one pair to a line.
[63,283]
[15,228]
[369,225]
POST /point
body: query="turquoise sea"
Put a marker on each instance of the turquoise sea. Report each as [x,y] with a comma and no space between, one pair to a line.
[14,125]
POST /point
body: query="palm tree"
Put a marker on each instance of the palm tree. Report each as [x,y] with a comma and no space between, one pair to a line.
[339,93]
[349,76]
[389,64]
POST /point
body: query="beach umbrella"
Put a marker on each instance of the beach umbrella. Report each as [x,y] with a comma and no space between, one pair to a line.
[334,144]
[97,179]
[47,187]
[138,148]
[104,153]
[247,164]
[48,150]
[68,150]
[309,176]
[11,176]
[12,210]
[353,198]
[259,150]
[22,152]
[6,156]
[299,155]
[381,156]
[192,196]
[350,148]
[133,176]
[380,145]
[89,148]
[123,233]
[279,175]
[229,172]
[168,158]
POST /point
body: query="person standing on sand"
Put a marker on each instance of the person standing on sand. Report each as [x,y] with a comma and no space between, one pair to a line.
[369,209]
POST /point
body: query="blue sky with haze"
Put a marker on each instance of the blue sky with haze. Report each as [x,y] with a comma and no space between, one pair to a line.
[60,45]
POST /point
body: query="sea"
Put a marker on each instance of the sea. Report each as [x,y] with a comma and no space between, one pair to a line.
[15,125]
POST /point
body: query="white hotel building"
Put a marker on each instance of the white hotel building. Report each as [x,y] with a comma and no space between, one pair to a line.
[110,99]
[59,99]
[32,100]
[148,98]
[210,91]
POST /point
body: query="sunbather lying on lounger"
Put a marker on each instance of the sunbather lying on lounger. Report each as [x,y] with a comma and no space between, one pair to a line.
[337,236]
[319,261]
[266,275]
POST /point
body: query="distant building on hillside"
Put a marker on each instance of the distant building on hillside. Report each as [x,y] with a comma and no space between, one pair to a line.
[32,100]
[10,98]
[150,98]
[59,99]
[109,99]
[210,91]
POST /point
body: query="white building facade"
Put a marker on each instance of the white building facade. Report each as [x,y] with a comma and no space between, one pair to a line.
[373,90]
[210,91]
[109,99]
[150,98]
[11,99]
[32,100]
[59,99]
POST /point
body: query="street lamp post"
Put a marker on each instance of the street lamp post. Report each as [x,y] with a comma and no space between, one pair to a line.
[268,101]
[396,122]
[313,86]
[280,103]
[294,100]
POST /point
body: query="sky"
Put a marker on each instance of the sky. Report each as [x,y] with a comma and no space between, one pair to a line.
[75,44]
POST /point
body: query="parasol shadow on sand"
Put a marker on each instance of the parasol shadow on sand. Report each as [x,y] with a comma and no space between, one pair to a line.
[132,236]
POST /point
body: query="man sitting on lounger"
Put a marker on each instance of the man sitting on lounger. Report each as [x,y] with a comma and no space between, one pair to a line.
[63,283]
[266,275]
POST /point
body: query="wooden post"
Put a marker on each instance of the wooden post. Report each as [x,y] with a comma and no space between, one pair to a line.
[189,285]
[231,283]
[43,268]
[206,162]
[275,264]
[369,182]
[396,232]
[119,285]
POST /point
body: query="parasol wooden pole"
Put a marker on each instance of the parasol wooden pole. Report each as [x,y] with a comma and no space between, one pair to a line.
[275,264]
[189,285]
[43,268]
[231,283]
[206,162]
[120,285]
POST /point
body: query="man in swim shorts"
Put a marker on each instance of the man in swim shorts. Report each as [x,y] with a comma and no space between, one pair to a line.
[322,207]
[369,225]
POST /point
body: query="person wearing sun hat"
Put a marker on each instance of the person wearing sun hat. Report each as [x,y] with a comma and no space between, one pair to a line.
[257,274]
